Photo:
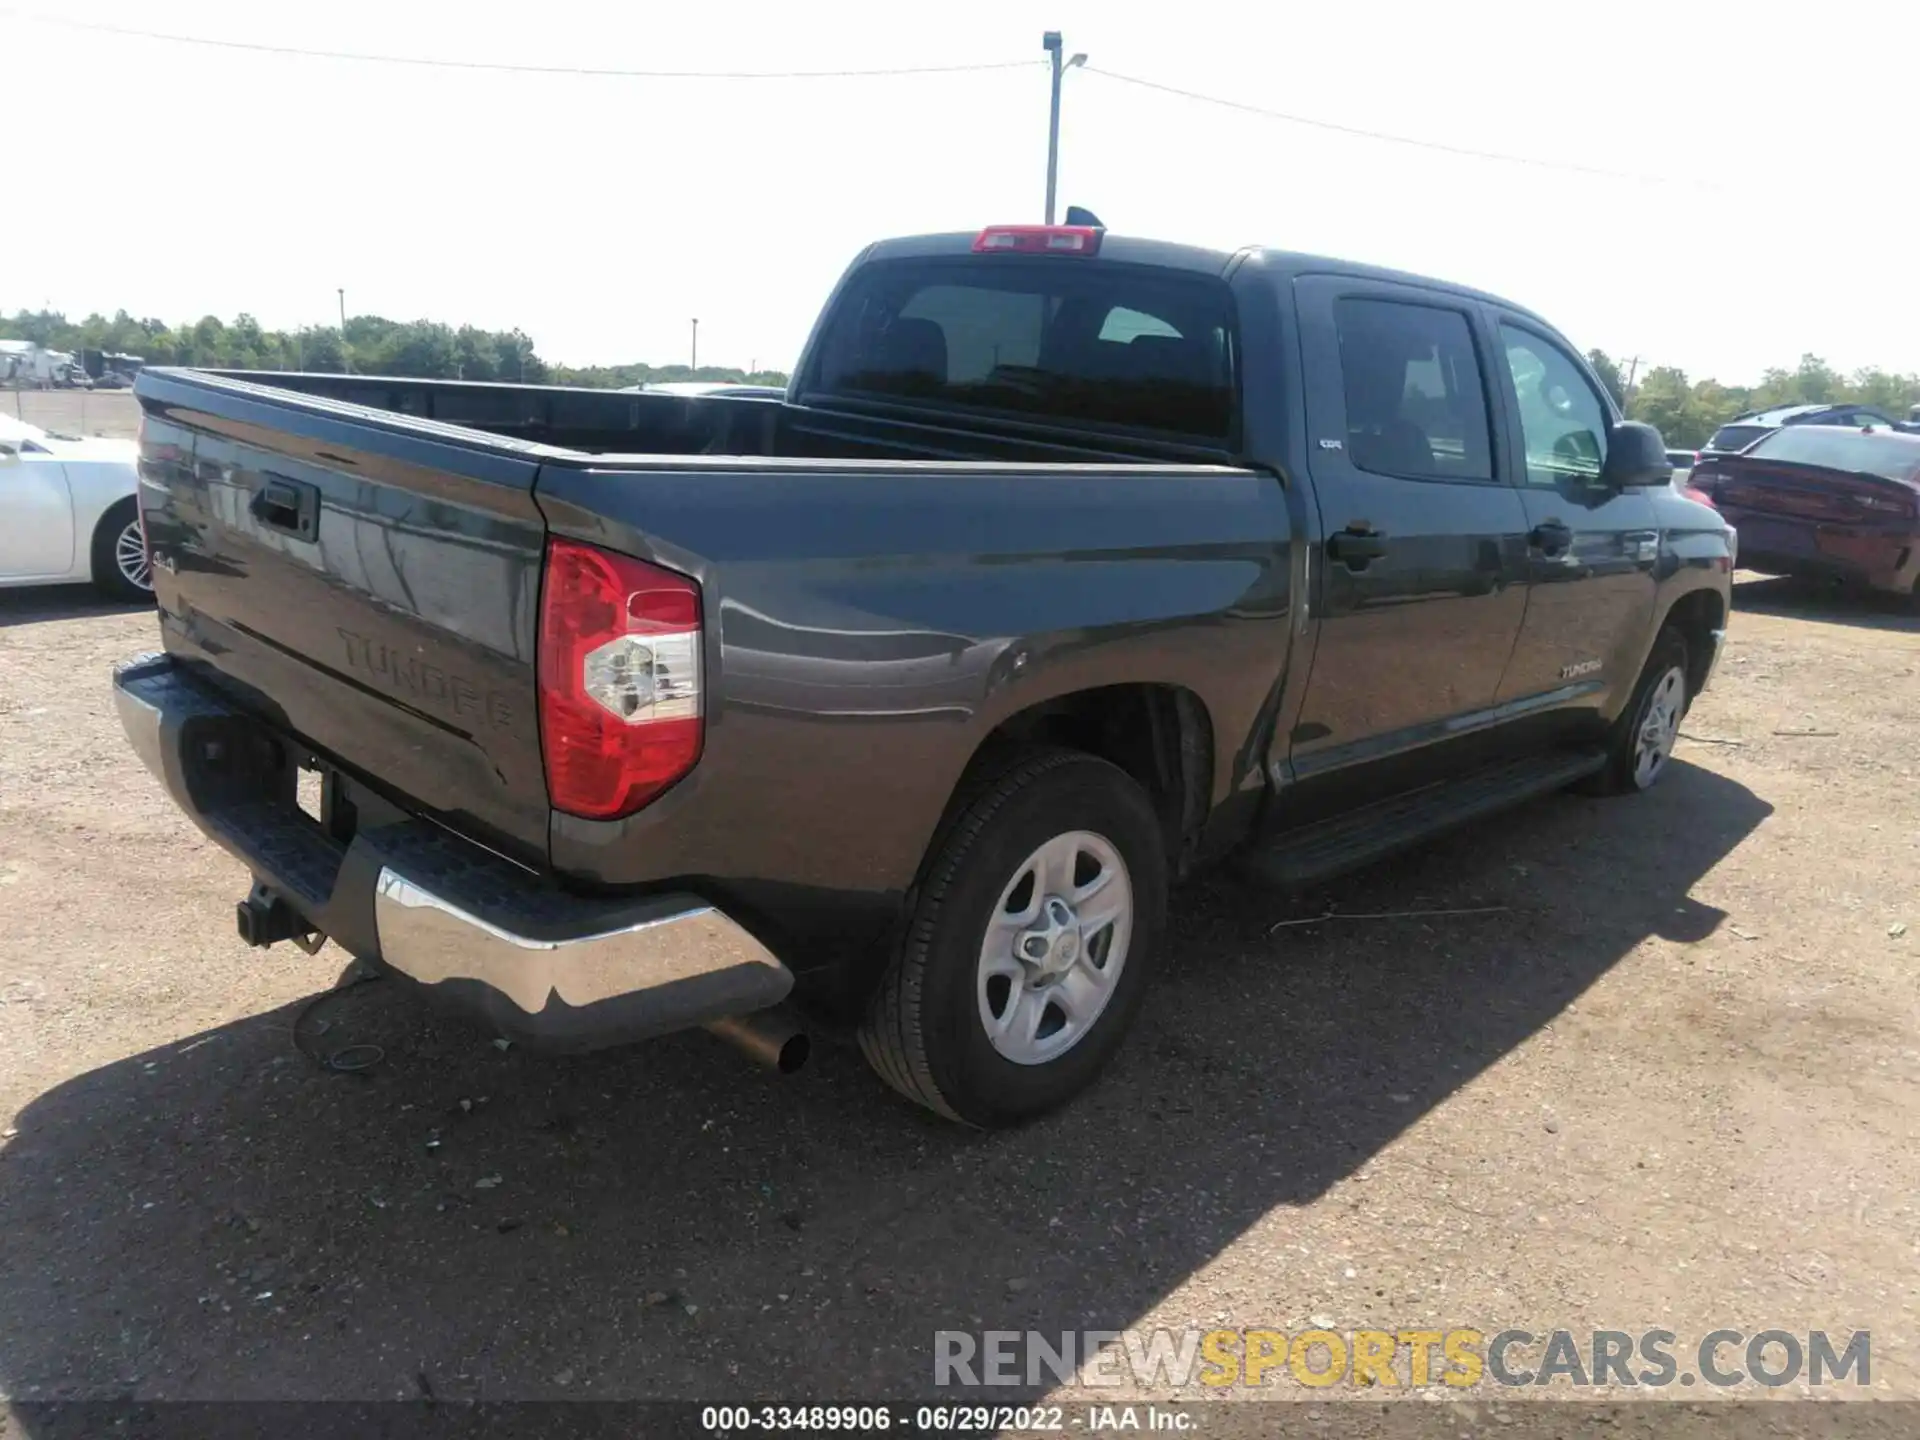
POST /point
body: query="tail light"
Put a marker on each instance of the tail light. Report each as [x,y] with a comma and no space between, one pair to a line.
[620,692]
[1901,505]
[1038,240]
[1694,492]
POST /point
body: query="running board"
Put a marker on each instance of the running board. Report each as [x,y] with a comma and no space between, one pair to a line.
[1346,842]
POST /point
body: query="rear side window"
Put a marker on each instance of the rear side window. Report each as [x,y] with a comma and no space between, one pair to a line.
[1886,453]
[1074,341]
[1416,407]
[1737,437]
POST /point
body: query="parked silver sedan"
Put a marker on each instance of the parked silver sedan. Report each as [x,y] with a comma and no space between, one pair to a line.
[68,513]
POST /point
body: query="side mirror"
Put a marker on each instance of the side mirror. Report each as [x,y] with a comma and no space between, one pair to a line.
[1636,456]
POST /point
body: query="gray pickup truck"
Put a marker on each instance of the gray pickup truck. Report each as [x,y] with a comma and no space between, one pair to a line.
[1068,563]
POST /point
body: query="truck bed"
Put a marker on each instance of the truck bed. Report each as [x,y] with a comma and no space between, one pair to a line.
[368,580]
[619,422]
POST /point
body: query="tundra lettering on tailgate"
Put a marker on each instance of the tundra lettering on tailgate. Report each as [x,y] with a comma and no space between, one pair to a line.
[415,678]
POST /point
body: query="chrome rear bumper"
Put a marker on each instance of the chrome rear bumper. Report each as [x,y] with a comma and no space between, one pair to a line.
[682,945]
[479,932]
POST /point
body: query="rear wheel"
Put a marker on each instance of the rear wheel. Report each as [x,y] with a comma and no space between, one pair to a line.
[120,566]
[1642,739]
[1031,942]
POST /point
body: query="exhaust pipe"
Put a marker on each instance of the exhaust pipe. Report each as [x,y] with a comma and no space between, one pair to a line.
[775,1038]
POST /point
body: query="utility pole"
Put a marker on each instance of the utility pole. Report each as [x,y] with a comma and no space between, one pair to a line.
[1633,367]
[346,360]
[695,367]
[1051,43]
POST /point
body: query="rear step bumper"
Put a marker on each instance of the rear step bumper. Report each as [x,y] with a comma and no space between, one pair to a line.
[480,933]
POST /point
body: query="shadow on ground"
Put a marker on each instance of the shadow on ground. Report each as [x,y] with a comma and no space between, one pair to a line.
[1824,600]
[31,603]
[220,1218]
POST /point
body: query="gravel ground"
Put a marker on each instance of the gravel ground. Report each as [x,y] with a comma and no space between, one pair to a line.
[1670,1081]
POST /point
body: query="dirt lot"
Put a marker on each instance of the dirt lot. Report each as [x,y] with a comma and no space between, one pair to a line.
[1671,1081]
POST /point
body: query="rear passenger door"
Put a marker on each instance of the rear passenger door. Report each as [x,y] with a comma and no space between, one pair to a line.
[1592,554]
[1422,555]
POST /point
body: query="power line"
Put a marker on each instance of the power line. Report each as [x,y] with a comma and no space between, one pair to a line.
[1381,135]
[504,67]
[611,72]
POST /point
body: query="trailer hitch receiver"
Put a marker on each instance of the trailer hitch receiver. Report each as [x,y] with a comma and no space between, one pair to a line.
[263,919]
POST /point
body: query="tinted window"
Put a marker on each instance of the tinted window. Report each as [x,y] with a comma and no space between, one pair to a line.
[1736,437]
[1060,339]
[1838,416]
[1562,419]
[1415,404]
[1124,326]
[1888,454]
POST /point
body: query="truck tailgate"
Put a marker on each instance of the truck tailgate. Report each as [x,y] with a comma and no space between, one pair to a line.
[369,583]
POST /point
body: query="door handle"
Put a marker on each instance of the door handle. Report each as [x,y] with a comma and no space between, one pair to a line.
[1355,547]
[287,505]
[1551,538]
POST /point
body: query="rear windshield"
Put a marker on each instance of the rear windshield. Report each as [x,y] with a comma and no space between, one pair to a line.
[1737,437]
[1886,453]
[1076,341]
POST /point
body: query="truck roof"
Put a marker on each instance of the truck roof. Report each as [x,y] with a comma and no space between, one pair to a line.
[1198,259]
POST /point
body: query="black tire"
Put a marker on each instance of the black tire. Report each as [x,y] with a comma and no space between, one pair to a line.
[121,519]
[923,1032]
[1623,774]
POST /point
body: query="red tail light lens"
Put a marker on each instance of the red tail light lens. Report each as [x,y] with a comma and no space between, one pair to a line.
[1694,492]
[620,684]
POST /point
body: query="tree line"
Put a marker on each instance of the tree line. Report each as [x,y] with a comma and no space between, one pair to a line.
[368,345]
[1686,412]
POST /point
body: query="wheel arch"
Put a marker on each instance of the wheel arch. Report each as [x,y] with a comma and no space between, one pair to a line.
[1696,615]
[1160,735]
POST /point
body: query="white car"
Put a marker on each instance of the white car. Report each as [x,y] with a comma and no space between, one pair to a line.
[67,511]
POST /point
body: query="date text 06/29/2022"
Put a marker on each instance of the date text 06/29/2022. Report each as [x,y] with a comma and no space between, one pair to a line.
[942,1419]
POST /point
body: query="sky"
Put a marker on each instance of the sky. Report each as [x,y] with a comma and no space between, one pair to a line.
[1705,187]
